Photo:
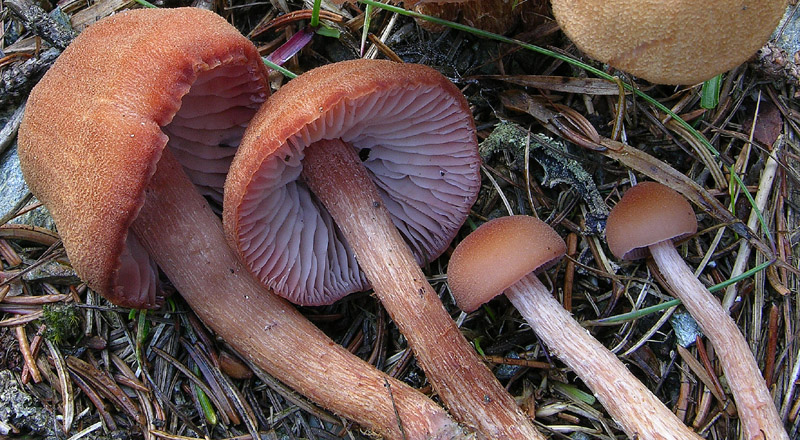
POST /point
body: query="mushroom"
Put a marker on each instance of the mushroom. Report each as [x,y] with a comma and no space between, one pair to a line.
[649,217]
[497,16]
[91,147]
[673,41]
[330,168]
[504,255]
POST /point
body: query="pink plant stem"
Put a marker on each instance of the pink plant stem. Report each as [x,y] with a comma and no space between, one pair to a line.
[181,233]
[293,45]
[754,404]
[640,414]
[333,171]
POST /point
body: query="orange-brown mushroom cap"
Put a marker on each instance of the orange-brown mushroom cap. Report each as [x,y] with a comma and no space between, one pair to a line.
[96,124]
[647,214]
[498,254]
[669,41]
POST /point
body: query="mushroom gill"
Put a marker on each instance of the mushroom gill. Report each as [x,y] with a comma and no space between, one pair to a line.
[411,140]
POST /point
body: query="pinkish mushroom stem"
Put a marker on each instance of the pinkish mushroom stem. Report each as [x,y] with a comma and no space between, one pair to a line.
[754,404]
[626,399]
[181,233]
[333,171]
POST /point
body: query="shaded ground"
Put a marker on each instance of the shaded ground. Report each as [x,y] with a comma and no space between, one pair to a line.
[92,372]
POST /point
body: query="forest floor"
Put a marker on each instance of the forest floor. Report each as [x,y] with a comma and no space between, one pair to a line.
[544,126]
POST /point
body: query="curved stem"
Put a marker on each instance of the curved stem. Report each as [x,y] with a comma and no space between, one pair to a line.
[754,404]
[185,238]
[630,403]
[333,171]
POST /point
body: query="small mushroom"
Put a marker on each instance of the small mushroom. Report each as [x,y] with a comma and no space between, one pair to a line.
[344,169]
[671,41]
[504,255]
[649,217]
[92,148]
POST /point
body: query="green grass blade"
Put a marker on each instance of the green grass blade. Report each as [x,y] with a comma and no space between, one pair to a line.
[146,4]
[285,72]
[315,13]
[709,95]
[365,29]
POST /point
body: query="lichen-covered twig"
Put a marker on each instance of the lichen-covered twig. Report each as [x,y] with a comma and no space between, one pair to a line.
[17,82]
[557,166]
[36,20]
[9,130]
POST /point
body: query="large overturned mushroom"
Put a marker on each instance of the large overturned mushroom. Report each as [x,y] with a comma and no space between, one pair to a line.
[377,162]
[133,106]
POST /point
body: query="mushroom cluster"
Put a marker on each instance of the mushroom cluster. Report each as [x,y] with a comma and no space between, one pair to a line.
[120,143]
[349,177]
[353,174]
[504,255]
[672,41]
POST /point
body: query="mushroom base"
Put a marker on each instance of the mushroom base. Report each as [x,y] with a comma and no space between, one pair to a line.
[629,402]
[754,404]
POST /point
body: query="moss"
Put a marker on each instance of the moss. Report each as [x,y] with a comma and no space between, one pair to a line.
[62,320]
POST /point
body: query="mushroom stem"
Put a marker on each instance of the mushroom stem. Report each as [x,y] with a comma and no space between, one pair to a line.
[334,173]
[631,404]
[177,227]
[754,404]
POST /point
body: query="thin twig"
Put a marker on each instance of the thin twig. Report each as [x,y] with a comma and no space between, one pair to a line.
[25,348]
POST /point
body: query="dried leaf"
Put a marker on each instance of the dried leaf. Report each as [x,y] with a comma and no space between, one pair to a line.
[67,396]
[768,125]
[106,386]
[589,86]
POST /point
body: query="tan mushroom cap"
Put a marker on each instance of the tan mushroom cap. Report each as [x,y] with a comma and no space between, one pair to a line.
[670,41]
[498,254]
[92,131]
[647,214]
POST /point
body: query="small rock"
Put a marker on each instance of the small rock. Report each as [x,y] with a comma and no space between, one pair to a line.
[505,372]
[21,410]
[13,189]
[686,328]
[789,28]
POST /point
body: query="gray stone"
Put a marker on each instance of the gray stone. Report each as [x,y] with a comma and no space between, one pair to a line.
[506,372]
[12,184]
[13,189]
[789,28]
[21,410]
[686,328]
